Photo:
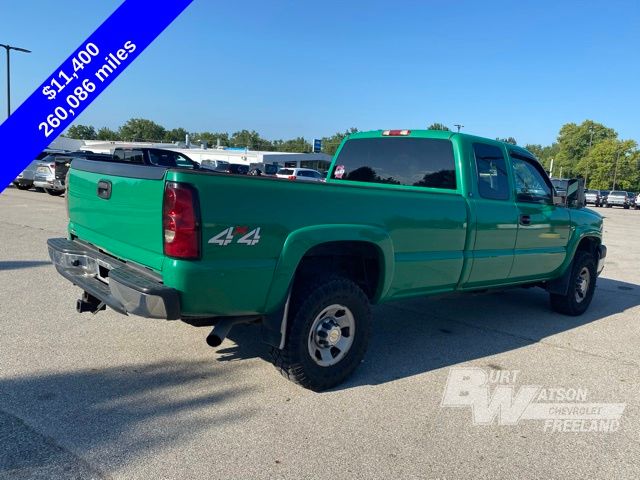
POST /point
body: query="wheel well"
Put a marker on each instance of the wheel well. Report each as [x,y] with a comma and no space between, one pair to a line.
[359,261]
[590,245]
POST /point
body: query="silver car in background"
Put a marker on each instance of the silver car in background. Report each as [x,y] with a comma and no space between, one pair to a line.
[45,176]
[618,198]
[593,197]
[24,181]
[301,174]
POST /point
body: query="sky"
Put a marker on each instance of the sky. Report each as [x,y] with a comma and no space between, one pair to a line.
[288,69]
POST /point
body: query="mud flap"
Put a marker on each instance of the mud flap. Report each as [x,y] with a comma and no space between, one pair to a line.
[274,325]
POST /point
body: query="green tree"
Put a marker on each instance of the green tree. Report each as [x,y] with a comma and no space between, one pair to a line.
[141,129]
[175,135]
[82,132]
[331,144]
[612,161]
[544,154]
[574,143]
[211,138]
[250,139]
[295,145]
[510,140]
[105,133]
[438,126]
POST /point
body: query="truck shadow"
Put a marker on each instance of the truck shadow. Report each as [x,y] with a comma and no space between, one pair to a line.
[21,264]
[124,410]
[424,334]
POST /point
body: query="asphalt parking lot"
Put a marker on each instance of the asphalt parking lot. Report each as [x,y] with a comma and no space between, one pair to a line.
[109,396]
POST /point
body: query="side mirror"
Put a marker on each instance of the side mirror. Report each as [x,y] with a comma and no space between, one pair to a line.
[559,201]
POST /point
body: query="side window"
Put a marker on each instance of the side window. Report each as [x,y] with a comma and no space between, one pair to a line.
[118,155]
[531,185]
[162,158]
[184,162]
[134,156]
[493,181]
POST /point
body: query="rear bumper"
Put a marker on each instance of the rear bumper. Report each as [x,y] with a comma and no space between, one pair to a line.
[602,254]
[51,184]
[119,285]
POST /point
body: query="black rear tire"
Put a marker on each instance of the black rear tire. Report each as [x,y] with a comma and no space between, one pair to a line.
[21,186]
[573,303]
[308,303]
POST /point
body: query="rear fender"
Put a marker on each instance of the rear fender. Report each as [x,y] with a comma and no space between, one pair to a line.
[297,244]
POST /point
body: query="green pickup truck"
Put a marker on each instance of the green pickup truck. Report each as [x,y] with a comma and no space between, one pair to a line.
[401,214]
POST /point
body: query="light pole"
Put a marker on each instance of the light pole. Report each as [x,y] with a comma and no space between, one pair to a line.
[589,151]
[458,126]
[8,48]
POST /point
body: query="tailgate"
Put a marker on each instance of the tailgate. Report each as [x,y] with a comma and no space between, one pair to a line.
[117,207]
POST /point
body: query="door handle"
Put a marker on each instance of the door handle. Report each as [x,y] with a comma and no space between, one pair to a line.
[104,189]
[525,220]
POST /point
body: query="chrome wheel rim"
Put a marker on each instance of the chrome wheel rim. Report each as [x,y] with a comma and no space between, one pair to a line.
[331,335]
[582,284]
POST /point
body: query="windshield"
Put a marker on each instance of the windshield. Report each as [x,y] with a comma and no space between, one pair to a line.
[617,193]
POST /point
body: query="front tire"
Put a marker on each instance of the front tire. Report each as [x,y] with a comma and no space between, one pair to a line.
[22,186]
[327,335]
[581,286]
[54,193]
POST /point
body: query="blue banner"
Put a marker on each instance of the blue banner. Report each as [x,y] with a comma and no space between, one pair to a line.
[80,79]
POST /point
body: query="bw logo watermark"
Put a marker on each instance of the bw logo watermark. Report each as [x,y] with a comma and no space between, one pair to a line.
[494,397]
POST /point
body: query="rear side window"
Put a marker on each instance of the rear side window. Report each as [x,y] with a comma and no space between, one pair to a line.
[493,181]
[134,156]
[416,162]
[285,171]
[129,156]
[162,158]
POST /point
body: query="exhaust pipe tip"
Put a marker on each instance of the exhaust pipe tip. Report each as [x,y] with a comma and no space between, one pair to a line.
[214,340]
[222,328]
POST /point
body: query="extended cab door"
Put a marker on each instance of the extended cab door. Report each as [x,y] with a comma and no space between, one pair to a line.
[543,228]
[495,215]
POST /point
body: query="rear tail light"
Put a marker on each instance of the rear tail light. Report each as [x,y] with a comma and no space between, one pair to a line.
[180,221]
[396,133]
[291,177]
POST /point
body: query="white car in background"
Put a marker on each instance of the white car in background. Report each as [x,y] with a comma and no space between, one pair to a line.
[301,174]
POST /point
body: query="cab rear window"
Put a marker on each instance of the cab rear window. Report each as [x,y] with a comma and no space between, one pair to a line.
[416,162]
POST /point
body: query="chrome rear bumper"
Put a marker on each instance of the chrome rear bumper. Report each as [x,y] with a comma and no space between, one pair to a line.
[120,286]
